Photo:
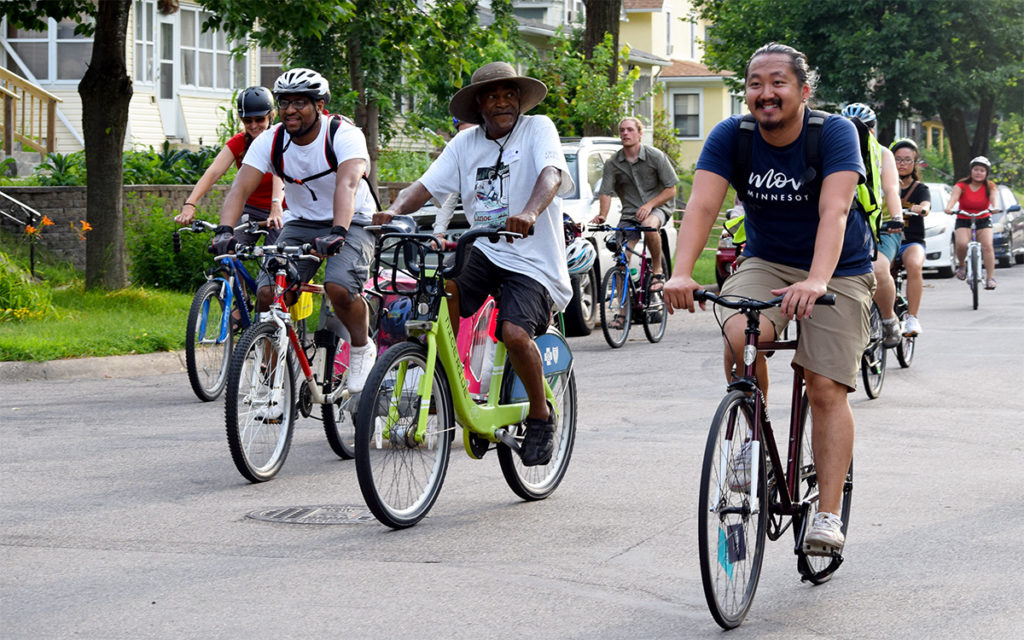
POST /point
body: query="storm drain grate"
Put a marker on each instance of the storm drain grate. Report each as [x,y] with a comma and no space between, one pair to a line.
[318,514]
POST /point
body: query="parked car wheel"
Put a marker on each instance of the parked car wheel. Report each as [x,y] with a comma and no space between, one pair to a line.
[581,313]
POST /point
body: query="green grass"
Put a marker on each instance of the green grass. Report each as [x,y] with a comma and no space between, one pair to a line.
[99,323]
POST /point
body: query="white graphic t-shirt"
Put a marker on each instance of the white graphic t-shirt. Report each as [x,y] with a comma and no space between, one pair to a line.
[496,182]
[302,161]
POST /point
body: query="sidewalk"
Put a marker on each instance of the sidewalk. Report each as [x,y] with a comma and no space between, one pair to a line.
[105,367]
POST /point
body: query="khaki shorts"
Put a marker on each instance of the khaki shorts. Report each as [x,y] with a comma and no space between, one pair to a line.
[833,339]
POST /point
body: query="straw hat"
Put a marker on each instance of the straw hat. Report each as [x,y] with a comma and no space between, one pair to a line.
[463,105]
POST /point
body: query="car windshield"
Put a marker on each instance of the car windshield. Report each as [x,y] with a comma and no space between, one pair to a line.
[573,161]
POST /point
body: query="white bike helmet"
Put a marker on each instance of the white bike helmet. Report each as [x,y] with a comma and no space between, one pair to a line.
[580,256]
[983,161]
[305,82]
[862,112]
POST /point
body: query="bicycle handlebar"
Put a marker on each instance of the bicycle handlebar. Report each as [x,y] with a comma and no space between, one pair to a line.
[608,227]
[741,303]
[199,226]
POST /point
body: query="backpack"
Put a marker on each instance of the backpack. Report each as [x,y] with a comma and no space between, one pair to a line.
[867,198]
[277,157]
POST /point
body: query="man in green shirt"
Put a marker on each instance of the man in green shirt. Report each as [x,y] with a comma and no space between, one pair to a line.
[644,180]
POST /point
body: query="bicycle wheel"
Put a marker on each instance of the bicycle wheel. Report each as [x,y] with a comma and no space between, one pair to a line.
[400,478]
[872,361]
[616,294]
[905,349]
[815,569]
[538,482]
[206,355]
[654,316]
[975,279]
[731,530]
[259,410]
[338,424]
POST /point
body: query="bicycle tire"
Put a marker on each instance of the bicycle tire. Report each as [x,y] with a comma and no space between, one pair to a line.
[339,426]
[905,349]
[872,361]
[815,569]
[731,537]
[616,294]
[655,318]
[206,357]
[538,482]
[975,281]
[399,478]
[259,446]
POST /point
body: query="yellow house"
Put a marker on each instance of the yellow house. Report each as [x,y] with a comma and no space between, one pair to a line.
[183,78]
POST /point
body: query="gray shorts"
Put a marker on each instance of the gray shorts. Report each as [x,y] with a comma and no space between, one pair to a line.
[251,239]
[833,338]
[350,268]
[629,219]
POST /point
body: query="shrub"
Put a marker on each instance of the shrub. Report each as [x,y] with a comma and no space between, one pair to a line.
[61,170]
[402,166]
[20,296]
[152,261]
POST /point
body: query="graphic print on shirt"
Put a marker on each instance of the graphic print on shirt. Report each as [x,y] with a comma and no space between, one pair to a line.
[775,186]
[491,196]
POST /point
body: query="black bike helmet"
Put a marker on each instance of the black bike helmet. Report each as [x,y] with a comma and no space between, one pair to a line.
[303,82]
[254,102]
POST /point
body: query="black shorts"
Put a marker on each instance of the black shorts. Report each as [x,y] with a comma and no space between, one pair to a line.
[982,223]
[521,300]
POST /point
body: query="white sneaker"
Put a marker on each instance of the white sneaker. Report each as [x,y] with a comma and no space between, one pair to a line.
[272,410]
[739,473]
[912,327]
[360,361]
[825,535]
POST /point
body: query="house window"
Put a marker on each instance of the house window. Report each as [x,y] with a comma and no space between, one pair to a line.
[686,114]
[735,105]
[54,53]
[206,59]
[144,41]
[270,67]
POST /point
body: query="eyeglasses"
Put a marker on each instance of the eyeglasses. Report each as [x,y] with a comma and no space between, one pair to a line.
[904,161]
[298,103]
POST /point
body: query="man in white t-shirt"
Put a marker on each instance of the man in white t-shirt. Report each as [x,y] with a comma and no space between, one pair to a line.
[509,172]
[327,207]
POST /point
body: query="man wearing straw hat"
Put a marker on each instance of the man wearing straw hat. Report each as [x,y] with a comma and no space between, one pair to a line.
[509,172]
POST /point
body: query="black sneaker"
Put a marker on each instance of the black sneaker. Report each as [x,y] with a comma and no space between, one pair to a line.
[538,445]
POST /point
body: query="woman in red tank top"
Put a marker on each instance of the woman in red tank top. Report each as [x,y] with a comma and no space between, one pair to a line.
[973,194]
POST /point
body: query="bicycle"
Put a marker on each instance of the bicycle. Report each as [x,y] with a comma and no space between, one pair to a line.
[873,360]
[973,258]
[746,494]
[905,348]
[417,391]
[210,329]
[625,297]
[261,398]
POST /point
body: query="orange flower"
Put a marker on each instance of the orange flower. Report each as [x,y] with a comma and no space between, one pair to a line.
[46,222]
[85,226]
[29,229]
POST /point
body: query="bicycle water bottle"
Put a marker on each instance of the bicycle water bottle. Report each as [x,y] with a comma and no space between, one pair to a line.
[634,275]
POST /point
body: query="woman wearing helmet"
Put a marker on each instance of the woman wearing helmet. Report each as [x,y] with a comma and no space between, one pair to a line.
[973,194]
[915,199]
[256,111]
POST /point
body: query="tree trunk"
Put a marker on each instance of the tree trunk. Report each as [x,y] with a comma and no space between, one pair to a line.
[955,125]
[106,90]
[602,18]
[367,115]
[983,126]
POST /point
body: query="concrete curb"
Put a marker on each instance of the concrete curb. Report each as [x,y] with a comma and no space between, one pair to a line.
[105,367]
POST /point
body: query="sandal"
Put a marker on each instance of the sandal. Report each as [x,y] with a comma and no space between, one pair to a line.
[991,284]
[657,282]
[618,322]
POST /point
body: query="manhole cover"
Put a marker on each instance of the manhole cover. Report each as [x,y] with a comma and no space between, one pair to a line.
[318,514]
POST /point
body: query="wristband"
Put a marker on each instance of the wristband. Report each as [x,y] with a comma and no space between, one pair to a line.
[223,229]
[339,230]
[275,200]
[191,204]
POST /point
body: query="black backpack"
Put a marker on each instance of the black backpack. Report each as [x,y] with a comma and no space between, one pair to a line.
[812,157]
[277,157]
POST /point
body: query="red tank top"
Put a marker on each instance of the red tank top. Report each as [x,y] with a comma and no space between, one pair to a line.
[973,201]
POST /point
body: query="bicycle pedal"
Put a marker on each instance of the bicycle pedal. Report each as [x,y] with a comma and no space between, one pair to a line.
[820,550]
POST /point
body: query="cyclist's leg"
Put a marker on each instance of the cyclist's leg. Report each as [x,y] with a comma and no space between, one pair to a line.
[885,294]
[832,437]
[344,277]
[755,278]
[988,254]
[913,261]
[468,291]
[653,238]
[962,235]
[524,312]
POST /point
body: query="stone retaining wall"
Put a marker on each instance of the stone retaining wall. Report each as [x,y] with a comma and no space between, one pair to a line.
[65,206]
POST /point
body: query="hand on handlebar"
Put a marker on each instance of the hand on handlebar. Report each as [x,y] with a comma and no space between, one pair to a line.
[678,292]
[521,224]
[799,298]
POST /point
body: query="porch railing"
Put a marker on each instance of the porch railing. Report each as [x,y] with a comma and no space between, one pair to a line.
[29,114]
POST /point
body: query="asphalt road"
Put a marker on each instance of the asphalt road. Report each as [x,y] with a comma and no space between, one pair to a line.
[122,516]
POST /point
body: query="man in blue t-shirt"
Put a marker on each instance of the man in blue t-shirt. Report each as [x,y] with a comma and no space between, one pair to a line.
[802,241]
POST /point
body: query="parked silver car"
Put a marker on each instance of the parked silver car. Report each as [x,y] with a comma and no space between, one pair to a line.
[939,254]
[1008,229]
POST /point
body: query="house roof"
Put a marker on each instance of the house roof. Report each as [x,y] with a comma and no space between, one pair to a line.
[643,5]
[690,69]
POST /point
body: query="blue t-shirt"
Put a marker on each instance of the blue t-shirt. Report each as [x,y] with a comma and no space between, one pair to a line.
[781,210]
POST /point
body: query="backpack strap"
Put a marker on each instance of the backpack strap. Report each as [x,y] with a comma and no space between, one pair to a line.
[812,144]
[742,157]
